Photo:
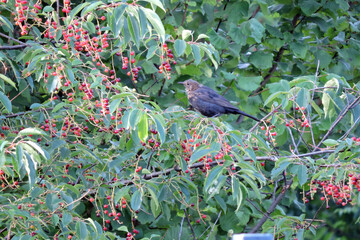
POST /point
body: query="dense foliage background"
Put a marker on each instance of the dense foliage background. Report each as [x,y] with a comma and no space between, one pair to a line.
[97,141]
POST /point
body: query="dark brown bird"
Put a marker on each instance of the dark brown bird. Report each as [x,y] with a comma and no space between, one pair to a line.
[208,102]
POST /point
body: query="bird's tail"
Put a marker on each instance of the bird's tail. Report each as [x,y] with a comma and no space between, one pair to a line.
[237,111]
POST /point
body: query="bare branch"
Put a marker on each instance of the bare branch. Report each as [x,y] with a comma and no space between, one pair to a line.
[272,207]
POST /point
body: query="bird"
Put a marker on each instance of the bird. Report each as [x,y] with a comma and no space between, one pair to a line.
[208,102]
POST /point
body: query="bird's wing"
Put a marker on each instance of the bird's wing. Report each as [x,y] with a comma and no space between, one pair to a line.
[209,95]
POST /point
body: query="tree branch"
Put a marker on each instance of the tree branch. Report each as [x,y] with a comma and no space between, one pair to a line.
[272,207]
[189,223]
[339,118]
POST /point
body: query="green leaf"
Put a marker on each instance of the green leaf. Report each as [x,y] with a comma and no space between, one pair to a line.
[6,22]
[212,178]
[160,127]
[77,9]
[248,83]
[155,21]
[8,80]
[48,9]
[217,40]
[30,169]
[299,49]
[143,128]
[156,3]
[261,60]
[134,29]
[31,131]
[309,6]
[117,19]
[200,152]
[91,7]
[196,53]
[66,219]
[239,191]
[5,101]
[302,174]
[120,193]
[277,171]
[257,29]
[274,96]
[19,158]
[179,46]
[303,97]
[114,105]
[81,230]
[136,200]
[236,34]
[330,143]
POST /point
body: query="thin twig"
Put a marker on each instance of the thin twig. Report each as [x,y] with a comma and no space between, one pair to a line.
[259,209]
[339,118]
[13,39]
[291,135]
[181,225]
[350,129]
[220,21]
[272,207]
[317,212]
[271,71]
[212,229]
[91,166]
[184,16]
[189,223]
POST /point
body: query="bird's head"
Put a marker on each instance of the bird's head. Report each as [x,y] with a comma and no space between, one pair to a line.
[190,85]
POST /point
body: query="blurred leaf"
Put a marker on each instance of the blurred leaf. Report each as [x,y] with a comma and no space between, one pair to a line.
[8,80]
[5,101]
[309,6]
[261,60]
[136,200]
[143,128]
[155,22]
[330,143]
[156,3]
[179,46]
[201,152]
[212,178]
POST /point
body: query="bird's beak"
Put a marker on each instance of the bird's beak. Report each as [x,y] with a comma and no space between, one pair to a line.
[181,83]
